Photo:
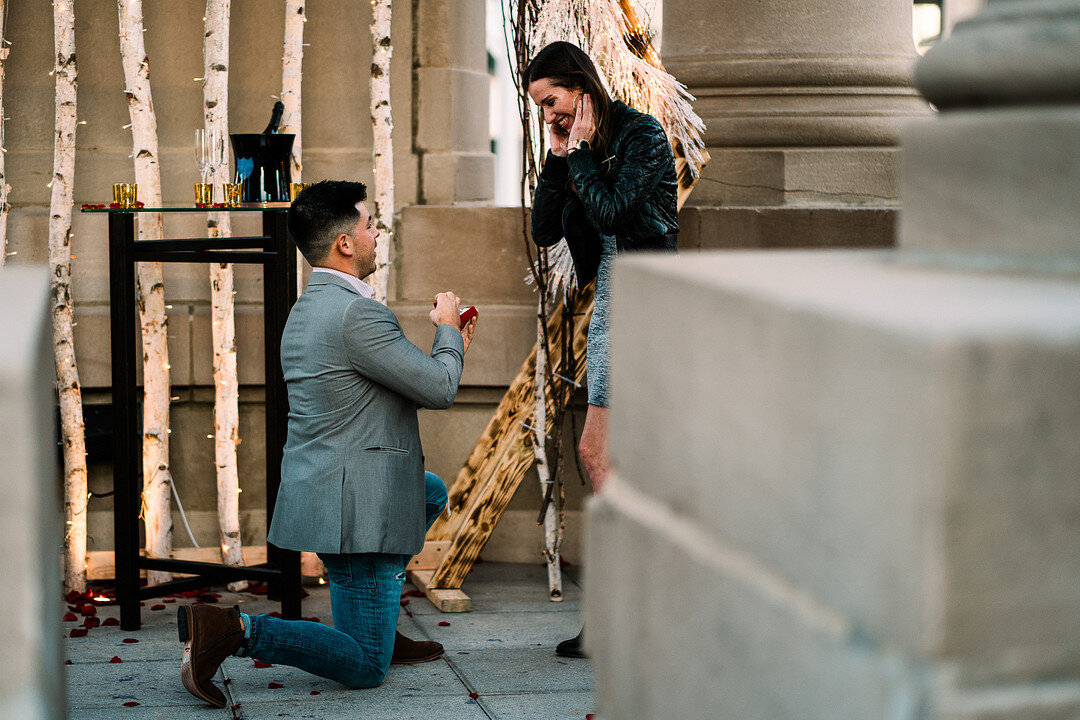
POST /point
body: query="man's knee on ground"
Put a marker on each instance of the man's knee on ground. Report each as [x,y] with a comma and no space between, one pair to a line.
[364,678]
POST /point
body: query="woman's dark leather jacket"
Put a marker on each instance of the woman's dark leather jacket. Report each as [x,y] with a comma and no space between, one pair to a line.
[635,200]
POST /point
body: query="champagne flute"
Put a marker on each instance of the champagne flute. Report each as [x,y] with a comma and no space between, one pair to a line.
[217,156]
[202,152]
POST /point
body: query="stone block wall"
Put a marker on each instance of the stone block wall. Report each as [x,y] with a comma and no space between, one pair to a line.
[853,500]
[31,517]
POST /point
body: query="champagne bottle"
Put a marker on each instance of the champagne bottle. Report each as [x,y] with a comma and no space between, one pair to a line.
[275,119]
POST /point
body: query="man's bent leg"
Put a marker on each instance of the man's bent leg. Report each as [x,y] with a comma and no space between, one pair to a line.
[365,595]
[434,497]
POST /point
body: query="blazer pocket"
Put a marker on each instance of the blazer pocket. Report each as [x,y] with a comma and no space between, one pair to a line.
[386,448]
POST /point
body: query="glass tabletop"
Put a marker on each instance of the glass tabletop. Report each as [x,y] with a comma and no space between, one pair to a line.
[243,207]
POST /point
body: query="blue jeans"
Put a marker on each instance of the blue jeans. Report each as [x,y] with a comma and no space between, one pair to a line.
[365,595]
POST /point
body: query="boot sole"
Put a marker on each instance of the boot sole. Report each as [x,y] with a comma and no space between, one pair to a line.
[436,656]
[183,628]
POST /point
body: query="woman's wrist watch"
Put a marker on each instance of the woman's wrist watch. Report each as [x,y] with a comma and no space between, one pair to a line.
[579,145]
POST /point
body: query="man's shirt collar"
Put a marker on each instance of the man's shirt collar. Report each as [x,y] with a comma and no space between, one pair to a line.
[361,287]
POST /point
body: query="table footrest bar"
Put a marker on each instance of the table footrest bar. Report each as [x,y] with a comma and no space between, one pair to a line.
[212,571]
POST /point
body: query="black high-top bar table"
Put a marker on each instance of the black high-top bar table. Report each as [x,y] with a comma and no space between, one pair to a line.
[275,251]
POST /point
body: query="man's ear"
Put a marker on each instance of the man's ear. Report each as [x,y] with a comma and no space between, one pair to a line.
[344,245]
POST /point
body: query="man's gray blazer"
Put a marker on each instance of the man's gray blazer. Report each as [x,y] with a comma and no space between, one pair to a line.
[352,476]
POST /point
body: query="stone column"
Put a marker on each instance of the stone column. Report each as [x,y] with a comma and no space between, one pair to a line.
[955,11]
[31,519]
[452,97]
[801,102]
[846,483]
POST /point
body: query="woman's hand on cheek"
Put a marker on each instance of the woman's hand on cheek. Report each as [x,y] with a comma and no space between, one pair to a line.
[584,127]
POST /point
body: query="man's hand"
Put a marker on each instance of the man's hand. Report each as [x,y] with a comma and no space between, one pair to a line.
[467,332]
[447,310]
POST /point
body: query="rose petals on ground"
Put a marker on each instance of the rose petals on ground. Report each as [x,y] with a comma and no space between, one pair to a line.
[91,622]
[274,685]
[414,593]
[474,695]
[443,623]
[131,703]
[70,617]
[67,662]
[88,610]
[261,664]
[314,692]
[589,716]
[110,621]
[311,619]
[77,632]
[169,600]
[131,640]
[116,659]
[157,607]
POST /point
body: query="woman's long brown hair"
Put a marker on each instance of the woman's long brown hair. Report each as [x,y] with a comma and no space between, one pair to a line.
[566,65]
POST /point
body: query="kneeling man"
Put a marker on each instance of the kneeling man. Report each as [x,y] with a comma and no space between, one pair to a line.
[353,486]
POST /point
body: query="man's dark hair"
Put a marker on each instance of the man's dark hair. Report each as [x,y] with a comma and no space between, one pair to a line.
[323,211]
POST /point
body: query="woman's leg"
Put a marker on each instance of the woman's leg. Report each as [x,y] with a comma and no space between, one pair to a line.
[593,446]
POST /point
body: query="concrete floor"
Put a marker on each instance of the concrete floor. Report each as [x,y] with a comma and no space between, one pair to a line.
[503,651]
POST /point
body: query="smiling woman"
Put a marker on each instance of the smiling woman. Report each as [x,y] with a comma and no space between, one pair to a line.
[608,186]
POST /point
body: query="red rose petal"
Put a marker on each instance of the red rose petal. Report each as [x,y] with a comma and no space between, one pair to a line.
[91,622]
[67,662]
[157,607]
[474,695]
[274,685]
[261,664]
[77,632]
[110,621]
[274,614]
[443,623]
[116,659]
[589,716]
[169,600]
[88,610]
[70,617]
[404,602]
[414,593]
[314,692]
[131,640]
[131,703]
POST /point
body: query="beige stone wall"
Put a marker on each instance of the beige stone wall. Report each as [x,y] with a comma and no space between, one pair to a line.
[440,99]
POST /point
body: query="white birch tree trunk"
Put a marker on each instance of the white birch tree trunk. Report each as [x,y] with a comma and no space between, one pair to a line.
[226,385]
[292,63]
[67,373]
[4,187]
[382,142]
[552,528]
[157,479]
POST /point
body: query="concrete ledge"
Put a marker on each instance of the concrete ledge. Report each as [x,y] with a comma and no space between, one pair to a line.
[897,441]
[784,227]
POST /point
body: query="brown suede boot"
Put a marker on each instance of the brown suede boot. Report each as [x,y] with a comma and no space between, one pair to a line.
[210,634]
[407,651]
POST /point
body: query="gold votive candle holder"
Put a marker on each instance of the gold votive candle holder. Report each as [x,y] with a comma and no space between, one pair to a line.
[129,195]
[231,194]
[294,190]
[118,193]
[204,194]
